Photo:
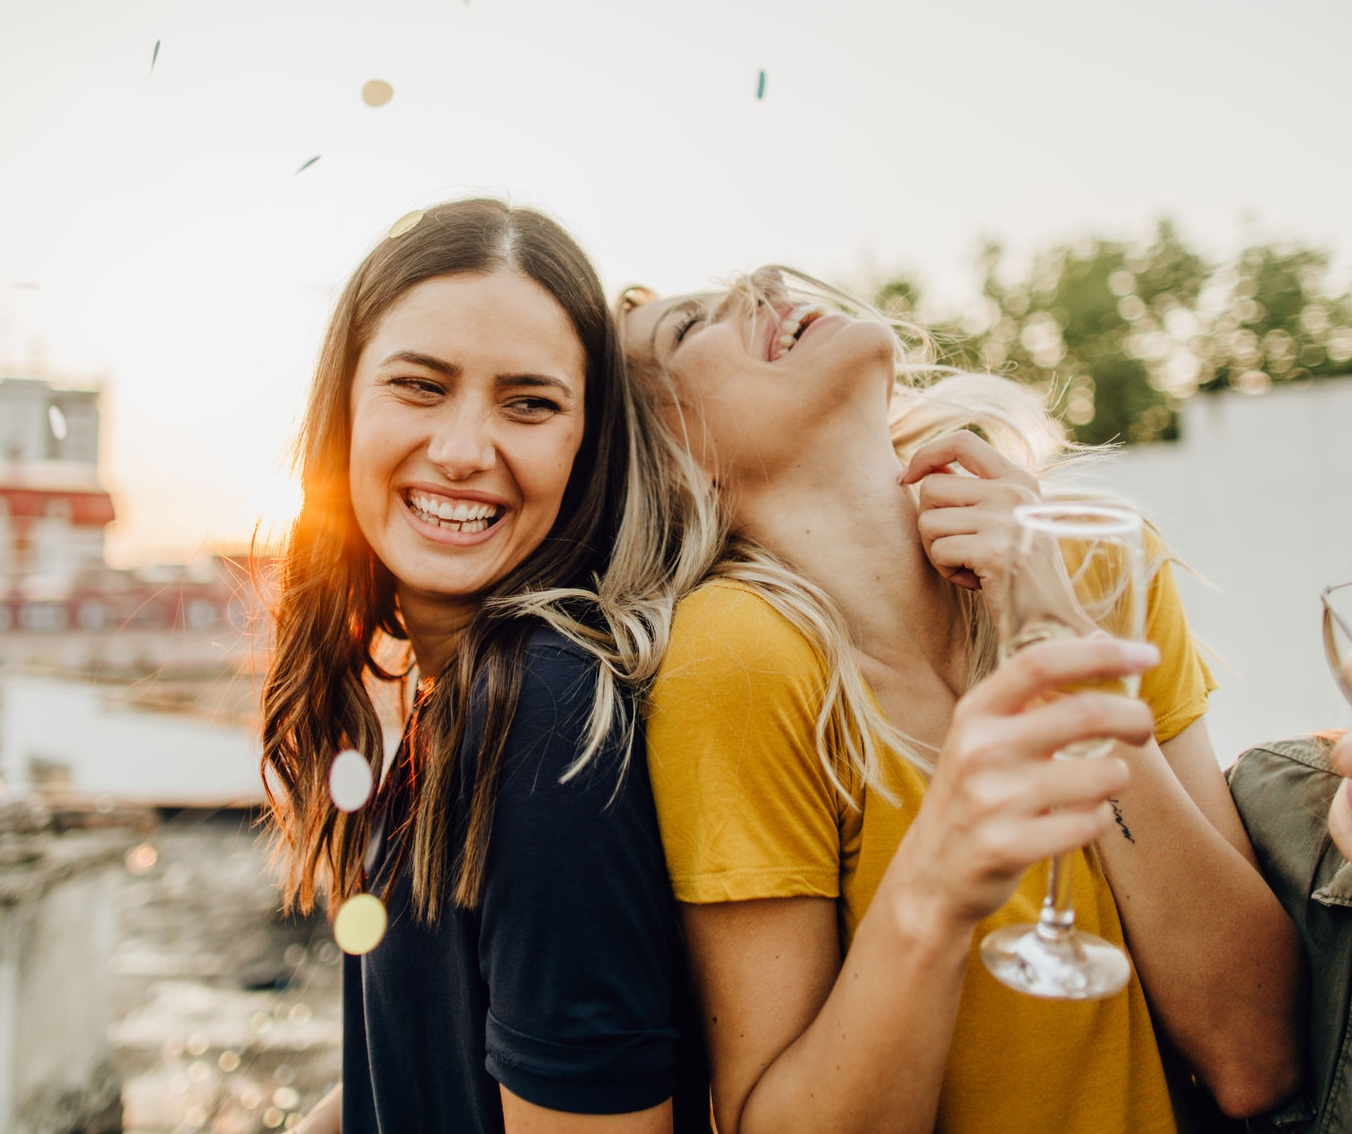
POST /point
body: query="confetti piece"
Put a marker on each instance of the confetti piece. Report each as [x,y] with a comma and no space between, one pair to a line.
[360,924]
[760,85]
[309,163]
[405,224]
[349,780]
[155,54]
[57,420]
[377,93]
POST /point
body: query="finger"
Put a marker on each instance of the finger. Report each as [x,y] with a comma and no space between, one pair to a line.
[1052,665]
[1010,843]
[1342,755]
[1061,832]
[939,490]
[1033,788]
[1340,819]
[1036,733]
[952,556]
[962,447]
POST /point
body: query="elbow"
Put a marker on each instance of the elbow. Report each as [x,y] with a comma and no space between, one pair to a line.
[1246,1091]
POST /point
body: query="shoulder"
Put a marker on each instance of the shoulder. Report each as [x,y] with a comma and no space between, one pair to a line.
[728,623]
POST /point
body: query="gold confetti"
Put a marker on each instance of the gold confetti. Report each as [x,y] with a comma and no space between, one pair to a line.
[405,224]
[360,924]
[377,93]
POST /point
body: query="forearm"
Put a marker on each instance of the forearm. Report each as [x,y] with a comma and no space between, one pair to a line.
[873,1058]
[1218,957]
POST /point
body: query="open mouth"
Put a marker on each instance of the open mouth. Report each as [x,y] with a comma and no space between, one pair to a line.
[453,515]
[791,328]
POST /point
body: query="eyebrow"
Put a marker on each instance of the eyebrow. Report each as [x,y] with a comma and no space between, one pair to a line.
[451,370]
[418,359]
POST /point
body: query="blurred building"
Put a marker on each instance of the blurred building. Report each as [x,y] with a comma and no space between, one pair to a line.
[52,508]
[91,658]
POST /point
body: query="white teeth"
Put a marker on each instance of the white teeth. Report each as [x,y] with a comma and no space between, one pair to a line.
[790,327]
[455,515]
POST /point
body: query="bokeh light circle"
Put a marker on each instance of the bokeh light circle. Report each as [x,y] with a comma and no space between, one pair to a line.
[350,780]
[360,924]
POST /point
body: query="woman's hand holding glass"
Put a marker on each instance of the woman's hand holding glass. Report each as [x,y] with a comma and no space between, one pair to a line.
[1078,572]
[998,803]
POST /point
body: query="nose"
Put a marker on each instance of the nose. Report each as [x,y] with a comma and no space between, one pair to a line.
[462,442]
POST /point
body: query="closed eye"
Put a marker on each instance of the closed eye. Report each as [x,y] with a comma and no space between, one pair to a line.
[684,327]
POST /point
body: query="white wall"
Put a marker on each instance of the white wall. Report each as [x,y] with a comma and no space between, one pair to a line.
[1257,496]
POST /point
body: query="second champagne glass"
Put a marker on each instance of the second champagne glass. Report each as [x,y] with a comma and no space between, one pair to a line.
[1338,634]
[1079,570]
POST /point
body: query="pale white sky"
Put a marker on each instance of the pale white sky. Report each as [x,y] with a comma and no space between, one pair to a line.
[187,266]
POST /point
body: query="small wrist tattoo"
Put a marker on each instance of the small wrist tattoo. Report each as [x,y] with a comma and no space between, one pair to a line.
[1122,823]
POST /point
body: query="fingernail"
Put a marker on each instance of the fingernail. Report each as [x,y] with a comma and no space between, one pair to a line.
[1140,654]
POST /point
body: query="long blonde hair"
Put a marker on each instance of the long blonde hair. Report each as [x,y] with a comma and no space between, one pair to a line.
[852,735]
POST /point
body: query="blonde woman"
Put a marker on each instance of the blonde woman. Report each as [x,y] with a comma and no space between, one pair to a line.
[851,797]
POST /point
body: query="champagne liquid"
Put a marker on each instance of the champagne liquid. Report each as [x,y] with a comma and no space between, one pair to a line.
[1044,630]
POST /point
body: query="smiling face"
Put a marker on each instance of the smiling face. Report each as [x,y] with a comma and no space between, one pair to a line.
[753,372]
[467,413]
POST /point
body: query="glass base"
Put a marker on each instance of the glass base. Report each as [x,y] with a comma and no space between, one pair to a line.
[1056,965]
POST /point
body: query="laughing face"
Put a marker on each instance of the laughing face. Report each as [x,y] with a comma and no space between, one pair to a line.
[467,413]
[753,369]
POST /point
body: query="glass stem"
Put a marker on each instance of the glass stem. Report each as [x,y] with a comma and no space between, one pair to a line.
[1056,921]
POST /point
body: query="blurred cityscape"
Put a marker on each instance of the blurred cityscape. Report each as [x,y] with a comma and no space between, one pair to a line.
[147,980]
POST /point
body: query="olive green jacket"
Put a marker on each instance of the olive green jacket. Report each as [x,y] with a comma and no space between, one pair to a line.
[1283,790]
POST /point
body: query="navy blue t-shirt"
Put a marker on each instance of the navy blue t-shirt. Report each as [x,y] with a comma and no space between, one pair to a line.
[568,984]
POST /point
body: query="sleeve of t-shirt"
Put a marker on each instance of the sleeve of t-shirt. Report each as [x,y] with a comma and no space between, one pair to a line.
[1176,690]
[577,924]
[745,806]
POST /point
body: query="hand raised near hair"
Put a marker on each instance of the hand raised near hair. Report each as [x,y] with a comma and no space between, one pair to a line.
[998,803]
[967,521]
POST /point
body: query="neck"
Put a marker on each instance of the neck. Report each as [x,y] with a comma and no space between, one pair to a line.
[434,628]
[842,520]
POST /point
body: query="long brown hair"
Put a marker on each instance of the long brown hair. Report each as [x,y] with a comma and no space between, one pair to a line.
[337,603]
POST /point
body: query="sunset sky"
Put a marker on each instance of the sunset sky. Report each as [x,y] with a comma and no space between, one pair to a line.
[157,239]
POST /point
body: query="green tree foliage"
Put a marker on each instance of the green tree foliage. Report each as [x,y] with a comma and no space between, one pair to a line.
[1116,334]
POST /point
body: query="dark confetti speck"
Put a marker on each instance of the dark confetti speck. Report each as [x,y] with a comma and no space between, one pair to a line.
[154,54]
[760,85]
[309,163]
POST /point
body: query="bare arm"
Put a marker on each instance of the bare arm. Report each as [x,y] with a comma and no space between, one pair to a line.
[1219,958]
[521,1117]
[327,1115]
[801,1040]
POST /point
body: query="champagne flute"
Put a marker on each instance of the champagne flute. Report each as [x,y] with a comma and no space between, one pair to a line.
[1079,570]
[1337,602]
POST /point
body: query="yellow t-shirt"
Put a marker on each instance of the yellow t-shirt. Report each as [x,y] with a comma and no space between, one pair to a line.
[747,811]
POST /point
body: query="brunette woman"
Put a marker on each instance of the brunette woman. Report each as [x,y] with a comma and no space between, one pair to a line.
[479,487]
